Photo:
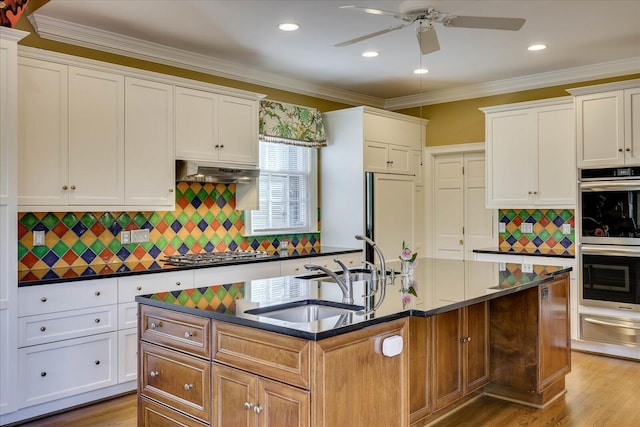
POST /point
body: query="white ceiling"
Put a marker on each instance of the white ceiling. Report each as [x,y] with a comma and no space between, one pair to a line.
[239,39]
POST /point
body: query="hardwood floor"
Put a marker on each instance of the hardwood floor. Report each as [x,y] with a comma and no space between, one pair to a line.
[601,391]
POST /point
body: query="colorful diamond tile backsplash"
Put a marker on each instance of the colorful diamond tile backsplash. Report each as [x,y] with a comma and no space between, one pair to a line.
[205,220]
[547,236]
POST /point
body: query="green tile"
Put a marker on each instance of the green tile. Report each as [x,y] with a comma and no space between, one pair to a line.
[537,214]
[88,219]
[139,219]
[208,295]
[227,194]
[183,297]
[70,220]
[551,214]
[40,251]
[233,291]
[209,217]
[114,245]
[215,239]
[60,248]
[155,219]
[107,220]
[203,240]
[557,235]
[227,239]
[22,250]
[517,234]
[97,247]
[169,217]
[233,216]
[189,241]
[221,217]
[176,242]
[221,292]
[29,220]
[124,219]
[50,220]
[146,246]
[183,218]
[544,235]
[524,214]
[161,243]
[566,215]
[511,214]
[202,194]
[79,247]
[196,217]
[189,194]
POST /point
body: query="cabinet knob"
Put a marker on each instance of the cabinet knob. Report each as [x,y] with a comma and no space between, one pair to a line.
[97,293]
[171,190]
[97,362]
[155,325]
[257,409]
[64,187]
[43,374]
[627,149]
[461,242]
[188,335]
[216,146]
[43,299]
[178,283]
[97,320]
[154,374]
[188,386]
[221,145]
[139,288]
[73,187]
[619,150]
[248,405]
[43,328]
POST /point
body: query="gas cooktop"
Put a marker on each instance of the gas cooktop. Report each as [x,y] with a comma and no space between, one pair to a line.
[213,257]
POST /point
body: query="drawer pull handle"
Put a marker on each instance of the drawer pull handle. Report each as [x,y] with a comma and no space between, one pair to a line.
[156,325]
[97,293]
[188,335]
[188,386]
[97,362]
[43,374]
[73,187]
[139,288]
[97,320]
[43,299]
[154,374]
[257,409]
[43,328]
[248,405]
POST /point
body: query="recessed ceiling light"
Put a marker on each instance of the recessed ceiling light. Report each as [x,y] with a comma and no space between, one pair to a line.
[370,54]
[420,71]
[288,26]
[535,47]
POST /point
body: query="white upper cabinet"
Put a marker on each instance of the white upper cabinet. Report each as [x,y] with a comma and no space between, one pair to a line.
[149,166]
[608,124]
[216,128]
[530,149]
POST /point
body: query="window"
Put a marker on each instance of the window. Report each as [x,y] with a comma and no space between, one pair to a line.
[288,191]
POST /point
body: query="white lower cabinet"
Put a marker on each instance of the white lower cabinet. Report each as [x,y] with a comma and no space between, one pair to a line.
[60,369]
[128,355]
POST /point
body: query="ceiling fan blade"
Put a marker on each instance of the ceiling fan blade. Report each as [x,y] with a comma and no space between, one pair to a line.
[491,23]
[427,40]
[373,11]
[370,36]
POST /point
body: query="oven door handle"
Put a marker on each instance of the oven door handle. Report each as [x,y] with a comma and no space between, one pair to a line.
[611,250]
[610,186]
[603,323]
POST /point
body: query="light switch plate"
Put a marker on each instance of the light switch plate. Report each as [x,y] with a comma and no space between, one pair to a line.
[125,237]
[38,238]
[566,229]
[140,236]
[527,268]
[526,227]
[502,227]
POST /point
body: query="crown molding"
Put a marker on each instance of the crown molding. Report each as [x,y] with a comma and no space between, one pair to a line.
[81,35]
[106,41]
[532,81]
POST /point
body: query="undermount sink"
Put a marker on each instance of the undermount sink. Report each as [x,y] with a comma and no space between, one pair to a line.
[305,311]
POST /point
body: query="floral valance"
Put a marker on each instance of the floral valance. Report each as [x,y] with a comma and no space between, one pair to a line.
[291,124]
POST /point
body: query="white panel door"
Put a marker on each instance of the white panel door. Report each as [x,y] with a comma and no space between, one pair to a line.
[600,129]
[149,165]
[196,124]
[393,210]
[238,131]
[448,207]
[479,229]
[96,137]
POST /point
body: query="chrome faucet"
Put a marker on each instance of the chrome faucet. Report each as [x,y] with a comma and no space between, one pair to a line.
[343,282]
[382,279]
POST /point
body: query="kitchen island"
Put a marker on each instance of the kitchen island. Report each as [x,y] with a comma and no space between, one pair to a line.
[472,329]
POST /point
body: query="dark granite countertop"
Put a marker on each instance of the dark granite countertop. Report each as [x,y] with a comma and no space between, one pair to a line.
[557,253]
[441,285]
[91,272]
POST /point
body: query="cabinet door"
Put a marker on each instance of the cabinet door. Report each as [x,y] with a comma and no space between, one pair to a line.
[96,137]
[238,131]
[282,405]
[632,126]
[509,143]
[600,129]
[399,159]
[149,168]
[557,179]
[127,355]
[234,397]
[376,158]
[43,126]
[476,346]
[554,339]
[196,124]
[447,358]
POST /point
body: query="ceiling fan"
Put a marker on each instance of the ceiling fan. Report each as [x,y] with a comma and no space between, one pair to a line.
[425,15]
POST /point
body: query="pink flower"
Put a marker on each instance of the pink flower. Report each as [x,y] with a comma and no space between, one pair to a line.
[406,254]
[406,299]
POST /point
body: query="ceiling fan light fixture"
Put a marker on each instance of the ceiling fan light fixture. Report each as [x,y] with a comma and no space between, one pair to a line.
[536,47]
[421,71]
[370,54]
[288,26]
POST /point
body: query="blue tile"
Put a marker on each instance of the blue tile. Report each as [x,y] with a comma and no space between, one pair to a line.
[79,228]
[221,202]
[558,221]
[154,251]
[233,246]
[183,249]
[176,226]
[88,256]
[209,247]
[89,272]
[50,258]
[565,242]
[202,225]
[511,240]
[295,241]
[123,253]
[537,241]
[196,202]
[115,228]
[227,224]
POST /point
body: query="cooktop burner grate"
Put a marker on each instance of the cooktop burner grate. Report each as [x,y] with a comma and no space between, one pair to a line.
[212,257]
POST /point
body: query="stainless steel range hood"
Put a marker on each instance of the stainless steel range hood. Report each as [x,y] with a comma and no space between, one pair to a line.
[192,171]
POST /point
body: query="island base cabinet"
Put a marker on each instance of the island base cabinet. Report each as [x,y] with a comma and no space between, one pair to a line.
[356,385]
[151,414]
[243,399]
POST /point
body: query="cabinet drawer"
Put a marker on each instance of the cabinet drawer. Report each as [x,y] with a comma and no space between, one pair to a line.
[152,414]
[263,353]
[132,286]
[43,299]
[176,379]
[66,368]
[183,332]
[66,324]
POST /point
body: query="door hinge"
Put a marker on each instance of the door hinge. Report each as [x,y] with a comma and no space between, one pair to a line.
[463,230]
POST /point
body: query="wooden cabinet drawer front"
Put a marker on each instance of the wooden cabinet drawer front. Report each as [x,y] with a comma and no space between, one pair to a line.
[176,379]
[130,287]
[66,324]
[152,414]
[41,299]
[176,330]
[66,368]
[264,353]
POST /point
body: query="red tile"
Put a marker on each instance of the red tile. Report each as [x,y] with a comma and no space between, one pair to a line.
[544,221]
[189,226]
[182,202]
[551,242]
[29,260]
[70,257]
[162,227]
[196,248]
[517,221]
[22,231]
[106,255]
[139,252]
[60,229]
[97,229]
[70,273]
